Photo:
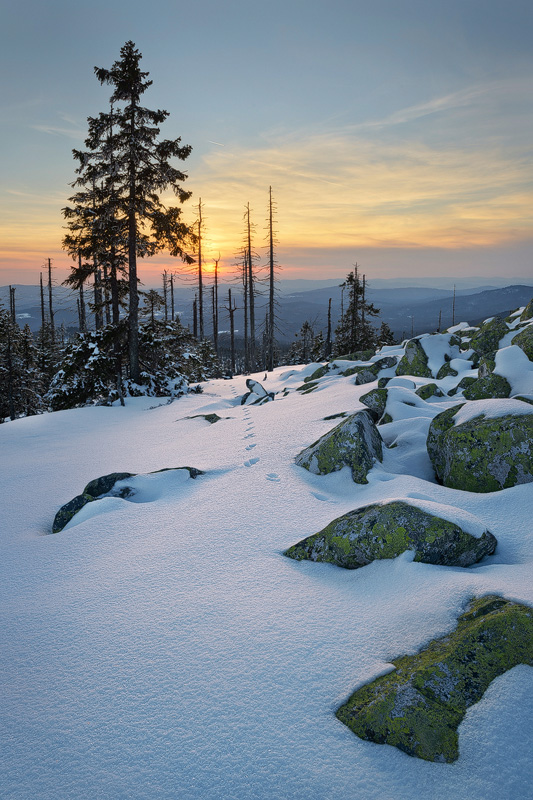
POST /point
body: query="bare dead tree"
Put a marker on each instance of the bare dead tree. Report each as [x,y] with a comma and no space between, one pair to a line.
[230,308]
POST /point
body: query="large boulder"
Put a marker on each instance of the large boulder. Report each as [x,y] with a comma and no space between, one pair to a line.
[428,390]
[256,394]
[355,442]
[104,487]
[376,400]
[490,386]
[415,361]
[487,338]
[388,529]
[487,447]
[524,340]
[418,707]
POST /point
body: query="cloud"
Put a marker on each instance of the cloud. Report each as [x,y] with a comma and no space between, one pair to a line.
[342,190]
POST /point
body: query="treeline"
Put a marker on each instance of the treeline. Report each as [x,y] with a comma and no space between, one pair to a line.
[139,346]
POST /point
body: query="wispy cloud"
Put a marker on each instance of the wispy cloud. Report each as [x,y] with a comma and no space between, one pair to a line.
[342,190]
[73,131]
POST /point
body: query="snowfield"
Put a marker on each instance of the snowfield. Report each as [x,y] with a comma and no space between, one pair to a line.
[166,649]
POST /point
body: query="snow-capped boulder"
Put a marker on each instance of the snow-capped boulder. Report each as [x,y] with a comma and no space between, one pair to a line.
[487,338]
[256,394]
[386,530]
[113,485]
[355,443]
[524,340]
[94,489]
[376,400]
[429,390]
[418,707]
[415,361]
[483,445]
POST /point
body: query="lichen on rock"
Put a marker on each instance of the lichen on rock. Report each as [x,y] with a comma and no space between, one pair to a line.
[490,386]
[354,442]
[418,707]
[428,390]
[527,313]
[376,400]
[415,361]
[487,338]
[386,530]
[524,340]
[482,454]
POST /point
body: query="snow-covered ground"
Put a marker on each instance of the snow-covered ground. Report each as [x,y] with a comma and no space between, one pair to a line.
[167,649]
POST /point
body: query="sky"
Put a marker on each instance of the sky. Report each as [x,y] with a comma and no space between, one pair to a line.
[396,134]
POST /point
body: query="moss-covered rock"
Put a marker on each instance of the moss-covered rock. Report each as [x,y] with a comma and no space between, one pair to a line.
[382,382]
[527,313]
[354,442]
[366,375]
[357,355]
[490,386]
[418,707]
[386,362]
[487,338]
[486,365]
[483,454]
[463,383]
[524,340]
[318,373]
[211,418]
[306,388]
[387,530]
[415,361]
[376,400]
[446,370]
[100,487]
[429,390]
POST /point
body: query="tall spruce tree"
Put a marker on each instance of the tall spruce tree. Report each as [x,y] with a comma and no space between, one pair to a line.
[354,331]
[126,159]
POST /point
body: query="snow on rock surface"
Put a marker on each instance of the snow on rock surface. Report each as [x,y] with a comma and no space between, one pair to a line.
[167,649]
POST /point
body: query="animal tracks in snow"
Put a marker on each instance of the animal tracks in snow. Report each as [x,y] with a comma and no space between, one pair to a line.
[251,461]
[251,446]
[273,476]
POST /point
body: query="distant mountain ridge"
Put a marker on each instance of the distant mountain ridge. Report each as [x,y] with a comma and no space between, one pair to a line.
[407,310]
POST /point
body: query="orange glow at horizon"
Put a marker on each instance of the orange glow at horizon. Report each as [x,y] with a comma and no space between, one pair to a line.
[331,192]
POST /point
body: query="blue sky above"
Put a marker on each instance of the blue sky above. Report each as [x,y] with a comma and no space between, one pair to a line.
[383,128]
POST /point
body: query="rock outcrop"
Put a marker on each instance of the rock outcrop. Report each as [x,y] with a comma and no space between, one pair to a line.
[418,707]
[483,454]
[415,361]
[104,487]
[487,338]
[524,340]
[355,443]
[256,394]
[387,530]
